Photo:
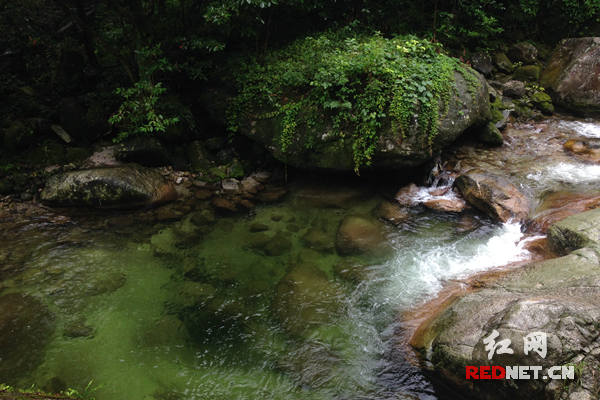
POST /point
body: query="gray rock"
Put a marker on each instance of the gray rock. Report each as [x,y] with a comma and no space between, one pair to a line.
[523,52]
[514,89]
[572,74]
[559,297]
[123,186]
[482,63]
[503,63]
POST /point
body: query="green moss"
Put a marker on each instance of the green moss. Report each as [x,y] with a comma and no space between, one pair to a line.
[496,115]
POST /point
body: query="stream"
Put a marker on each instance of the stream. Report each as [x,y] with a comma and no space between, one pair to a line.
[260,305]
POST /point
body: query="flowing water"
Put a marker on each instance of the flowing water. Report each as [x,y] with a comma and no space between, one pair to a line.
[258,305]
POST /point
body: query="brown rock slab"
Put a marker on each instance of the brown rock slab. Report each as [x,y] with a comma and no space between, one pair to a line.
[494,195]
[391,212]
[357,235]
[447,205]
[586,149]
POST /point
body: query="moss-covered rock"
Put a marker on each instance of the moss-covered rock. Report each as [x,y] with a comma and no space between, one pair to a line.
[543,102]
[489,134]
[382,125]
[77,154]
[502,62]
[528,73]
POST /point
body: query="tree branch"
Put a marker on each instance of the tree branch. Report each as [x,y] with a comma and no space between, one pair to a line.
[103,43]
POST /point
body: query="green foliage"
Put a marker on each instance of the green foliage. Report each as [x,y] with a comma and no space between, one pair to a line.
[355,81]
[86,394]
[142,111]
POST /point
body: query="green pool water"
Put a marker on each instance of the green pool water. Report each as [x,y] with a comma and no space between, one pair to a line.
[240,307]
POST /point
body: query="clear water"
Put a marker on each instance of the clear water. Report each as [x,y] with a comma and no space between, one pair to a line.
[189,310]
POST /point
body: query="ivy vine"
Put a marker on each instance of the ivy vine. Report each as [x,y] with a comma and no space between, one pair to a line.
[355,81]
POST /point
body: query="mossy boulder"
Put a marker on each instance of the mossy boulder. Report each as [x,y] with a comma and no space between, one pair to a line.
[502,62]
[77,154]
[543,102]
[122,186]
[319,148]
[17,137]
[572,75]
[489,134]
[370,111]
[528,73]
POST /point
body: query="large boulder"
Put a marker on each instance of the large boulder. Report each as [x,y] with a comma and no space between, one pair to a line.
[122,186]
[393,151]
[559,297]
[572,75]
[493,195]
[341,105]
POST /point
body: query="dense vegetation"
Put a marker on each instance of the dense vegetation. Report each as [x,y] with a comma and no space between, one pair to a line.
[142,64]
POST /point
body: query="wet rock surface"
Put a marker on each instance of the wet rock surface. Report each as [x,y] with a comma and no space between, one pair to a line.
[494,195]
[558,297]
[123,186]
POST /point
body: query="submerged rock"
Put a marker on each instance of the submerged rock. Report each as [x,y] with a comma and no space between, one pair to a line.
[586,149]
[123,186]
[391,212]
[447,205]
[572,75]
[306,299]
[26,326]
[493,195]
[357,235]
